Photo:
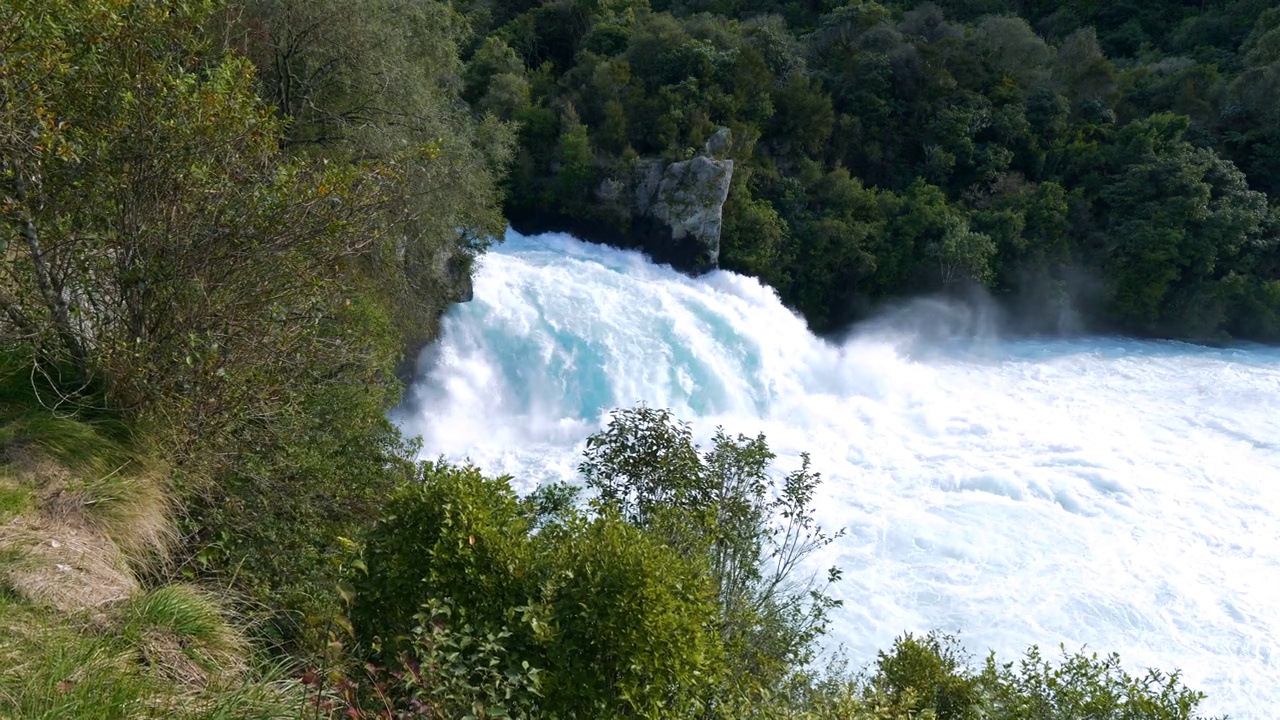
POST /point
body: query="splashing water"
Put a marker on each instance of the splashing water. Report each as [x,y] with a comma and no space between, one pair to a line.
[1115,494]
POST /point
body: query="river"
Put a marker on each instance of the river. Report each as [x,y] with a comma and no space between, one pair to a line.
[1106,493]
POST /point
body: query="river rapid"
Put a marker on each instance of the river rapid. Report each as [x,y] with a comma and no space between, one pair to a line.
[1113,494]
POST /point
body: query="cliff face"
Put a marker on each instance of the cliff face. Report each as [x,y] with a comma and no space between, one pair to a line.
[671,211]
[680,205]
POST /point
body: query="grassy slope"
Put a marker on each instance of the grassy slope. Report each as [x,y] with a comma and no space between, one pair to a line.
[85,522]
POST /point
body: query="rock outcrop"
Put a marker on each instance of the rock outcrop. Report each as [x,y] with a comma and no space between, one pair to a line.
[672,211]
[678,207]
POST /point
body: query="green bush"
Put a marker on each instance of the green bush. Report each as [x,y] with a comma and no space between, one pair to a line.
[723,510]
[1082,686]
[926,673]
[269,523]
[453,535]
[616,623]
[930,676]
[632,629]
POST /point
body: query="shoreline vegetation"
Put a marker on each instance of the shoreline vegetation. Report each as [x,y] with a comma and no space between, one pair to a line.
[226,224]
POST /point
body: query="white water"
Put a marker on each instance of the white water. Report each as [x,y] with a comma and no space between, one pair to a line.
[1117,494]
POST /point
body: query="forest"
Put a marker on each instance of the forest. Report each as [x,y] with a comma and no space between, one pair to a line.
[1114,162]
[226,229]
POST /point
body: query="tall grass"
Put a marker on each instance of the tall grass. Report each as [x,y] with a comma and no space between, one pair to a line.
[83,509]
[49,670]
[82,470]
[15,499]
[54,668]
[184,633]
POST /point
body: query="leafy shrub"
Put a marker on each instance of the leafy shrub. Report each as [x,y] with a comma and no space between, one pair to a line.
[722,509]
[631,623]
[926,673]
[930,675]
[1082,685]
[446,669]
[616,623]
[452,535]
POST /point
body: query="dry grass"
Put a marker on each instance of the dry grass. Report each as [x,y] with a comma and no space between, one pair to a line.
[131,509]
[118,497]
[83,514]
[186,636]
[62,566]
[76,547]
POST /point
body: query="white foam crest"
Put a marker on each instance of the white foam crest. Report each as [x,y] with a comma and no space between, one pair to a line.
[1117,494]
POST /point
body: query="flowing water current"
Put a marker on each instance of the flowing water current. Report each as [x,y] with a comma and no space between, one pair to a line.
[1107,494]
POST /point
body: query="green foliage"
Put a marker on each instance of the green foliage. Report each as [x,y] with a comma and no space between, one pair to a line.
[270,518]
[614,623]
[448,669]
[459,673]
[156,215]
[630,623]
[240,281]
[989,140]
[722,507]
[379,80]
[928,677]
[926,673]
[1082,686]
[1177,212]
[454,534]
[574,178]
[753,236]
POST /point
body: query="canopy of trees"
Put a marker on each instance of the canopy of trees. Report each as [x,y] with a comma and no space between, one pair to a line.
[1120,158]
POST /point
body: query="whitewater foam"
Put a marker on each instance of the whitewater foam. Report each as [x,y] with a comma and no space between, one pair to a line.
[1115,494]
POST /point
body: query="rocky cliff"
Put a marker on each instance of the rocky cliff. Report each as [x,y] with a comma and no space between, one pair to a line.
[669,210]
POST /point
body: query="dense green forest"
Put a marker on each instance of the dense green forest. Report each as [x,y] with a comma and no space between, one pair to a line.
[225,225]
[1119,159]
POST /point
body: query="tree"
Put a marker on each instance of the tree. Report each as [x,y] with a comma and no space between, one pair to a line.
[159,243]
[1013,50]
[753,236]
[723,506]
[928,672]
[163,250]
[574,176]
[803,116]
[379,81]
[962,253]
[1176,212]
